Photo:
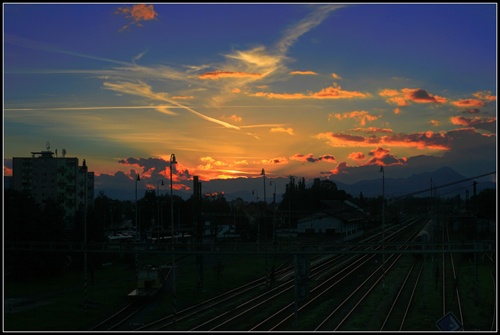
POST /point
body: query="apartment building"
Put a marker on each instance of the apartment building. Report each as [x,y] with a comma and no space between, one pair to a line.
[44,175]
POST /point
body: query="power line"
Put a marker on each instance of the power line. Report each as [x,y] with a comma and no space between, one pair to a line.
[445,185]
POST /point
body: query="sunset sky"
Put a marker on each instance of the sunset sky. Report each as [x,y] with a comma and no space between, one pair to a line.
[309,90]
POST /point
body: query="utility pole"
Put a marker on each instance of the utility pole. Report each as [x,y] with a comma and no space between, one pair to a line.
[383,225]
[174,297]
[85,283]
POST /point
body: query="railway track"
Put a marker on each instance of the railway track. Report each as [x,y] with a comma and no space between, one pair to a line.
[339,285]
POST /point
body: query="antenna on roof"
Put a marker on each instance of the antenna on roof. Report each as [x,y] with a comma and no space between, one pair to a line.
[63,152]
[47,145]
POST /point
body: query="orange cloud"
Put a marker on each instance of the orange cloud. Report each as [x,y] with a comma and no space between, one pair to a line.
[357,156]
[334,92]
[423,140]
[361,116]
[486,95]
[407,95]
[310,158]
[285,96]
[282,130]
[341,168]
[277,160]
[372,130]
[382,156]
[469,103]
[228,74]
[422,96]
[468,122]
[303,72]
[337,93]
[137,13]
[236,118]
[336,76]
[434,123]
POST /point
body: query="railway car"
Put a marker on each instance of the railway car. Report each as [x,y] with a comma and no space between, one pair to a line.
[150,280]
[423,238]
[120,241]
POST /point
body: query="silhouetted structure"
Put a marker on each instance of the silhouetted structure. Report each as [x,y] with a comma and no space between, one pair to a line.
[44,177]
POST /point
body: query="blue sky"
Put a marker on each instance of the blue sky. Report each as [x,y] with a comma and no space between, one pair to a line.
[309,90]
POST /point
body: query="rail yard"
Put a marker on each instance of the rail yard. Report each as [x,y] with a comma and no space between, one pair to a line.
[420,278]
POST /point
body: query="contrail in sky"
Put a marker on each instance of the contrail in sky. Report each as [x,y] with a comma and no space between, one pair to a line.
[308,23]
[144,90]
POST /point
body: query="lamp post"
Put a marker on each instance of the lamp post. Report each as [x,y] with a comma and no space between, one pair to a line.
[383,224]
[158,196]
[138,229]
[85,264]
[263,174]
[174,302]
[274,211]
[256,193]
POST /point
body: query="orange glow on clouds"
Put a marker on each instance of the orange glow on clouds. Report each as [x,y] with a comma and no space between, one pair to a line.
[383,157]
[486,96]
[357,156]
[469,103]
[361,116]
[407,95]
[303,72]
[289,131]
[337,93]
[137,13]
[310,158]
[369,130]
[227,74]
[334,92]
[464,121]
[425,140]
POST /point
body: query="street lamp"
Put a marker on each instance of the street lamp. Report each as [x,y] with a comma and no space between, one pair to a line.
[158,196]
[383,221]
[172,162]
[256,193]
[274,211]
[263,174]
[174,298]
[136,221]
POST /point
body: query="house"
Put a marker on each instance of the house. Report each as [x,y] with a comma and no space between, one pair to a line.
[338,219]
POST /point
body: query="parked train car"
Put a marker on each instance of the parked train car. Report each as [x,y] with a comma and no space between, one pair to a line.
[423,238]
[120,241]
[150,280]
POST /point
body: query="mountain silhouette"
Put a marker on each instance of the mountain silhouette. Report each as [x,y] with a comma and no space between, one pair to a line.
[417,185]
[249,189]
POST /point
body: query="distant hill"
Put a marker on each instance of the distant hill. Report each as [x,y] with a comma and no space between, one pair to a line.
[418,185]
